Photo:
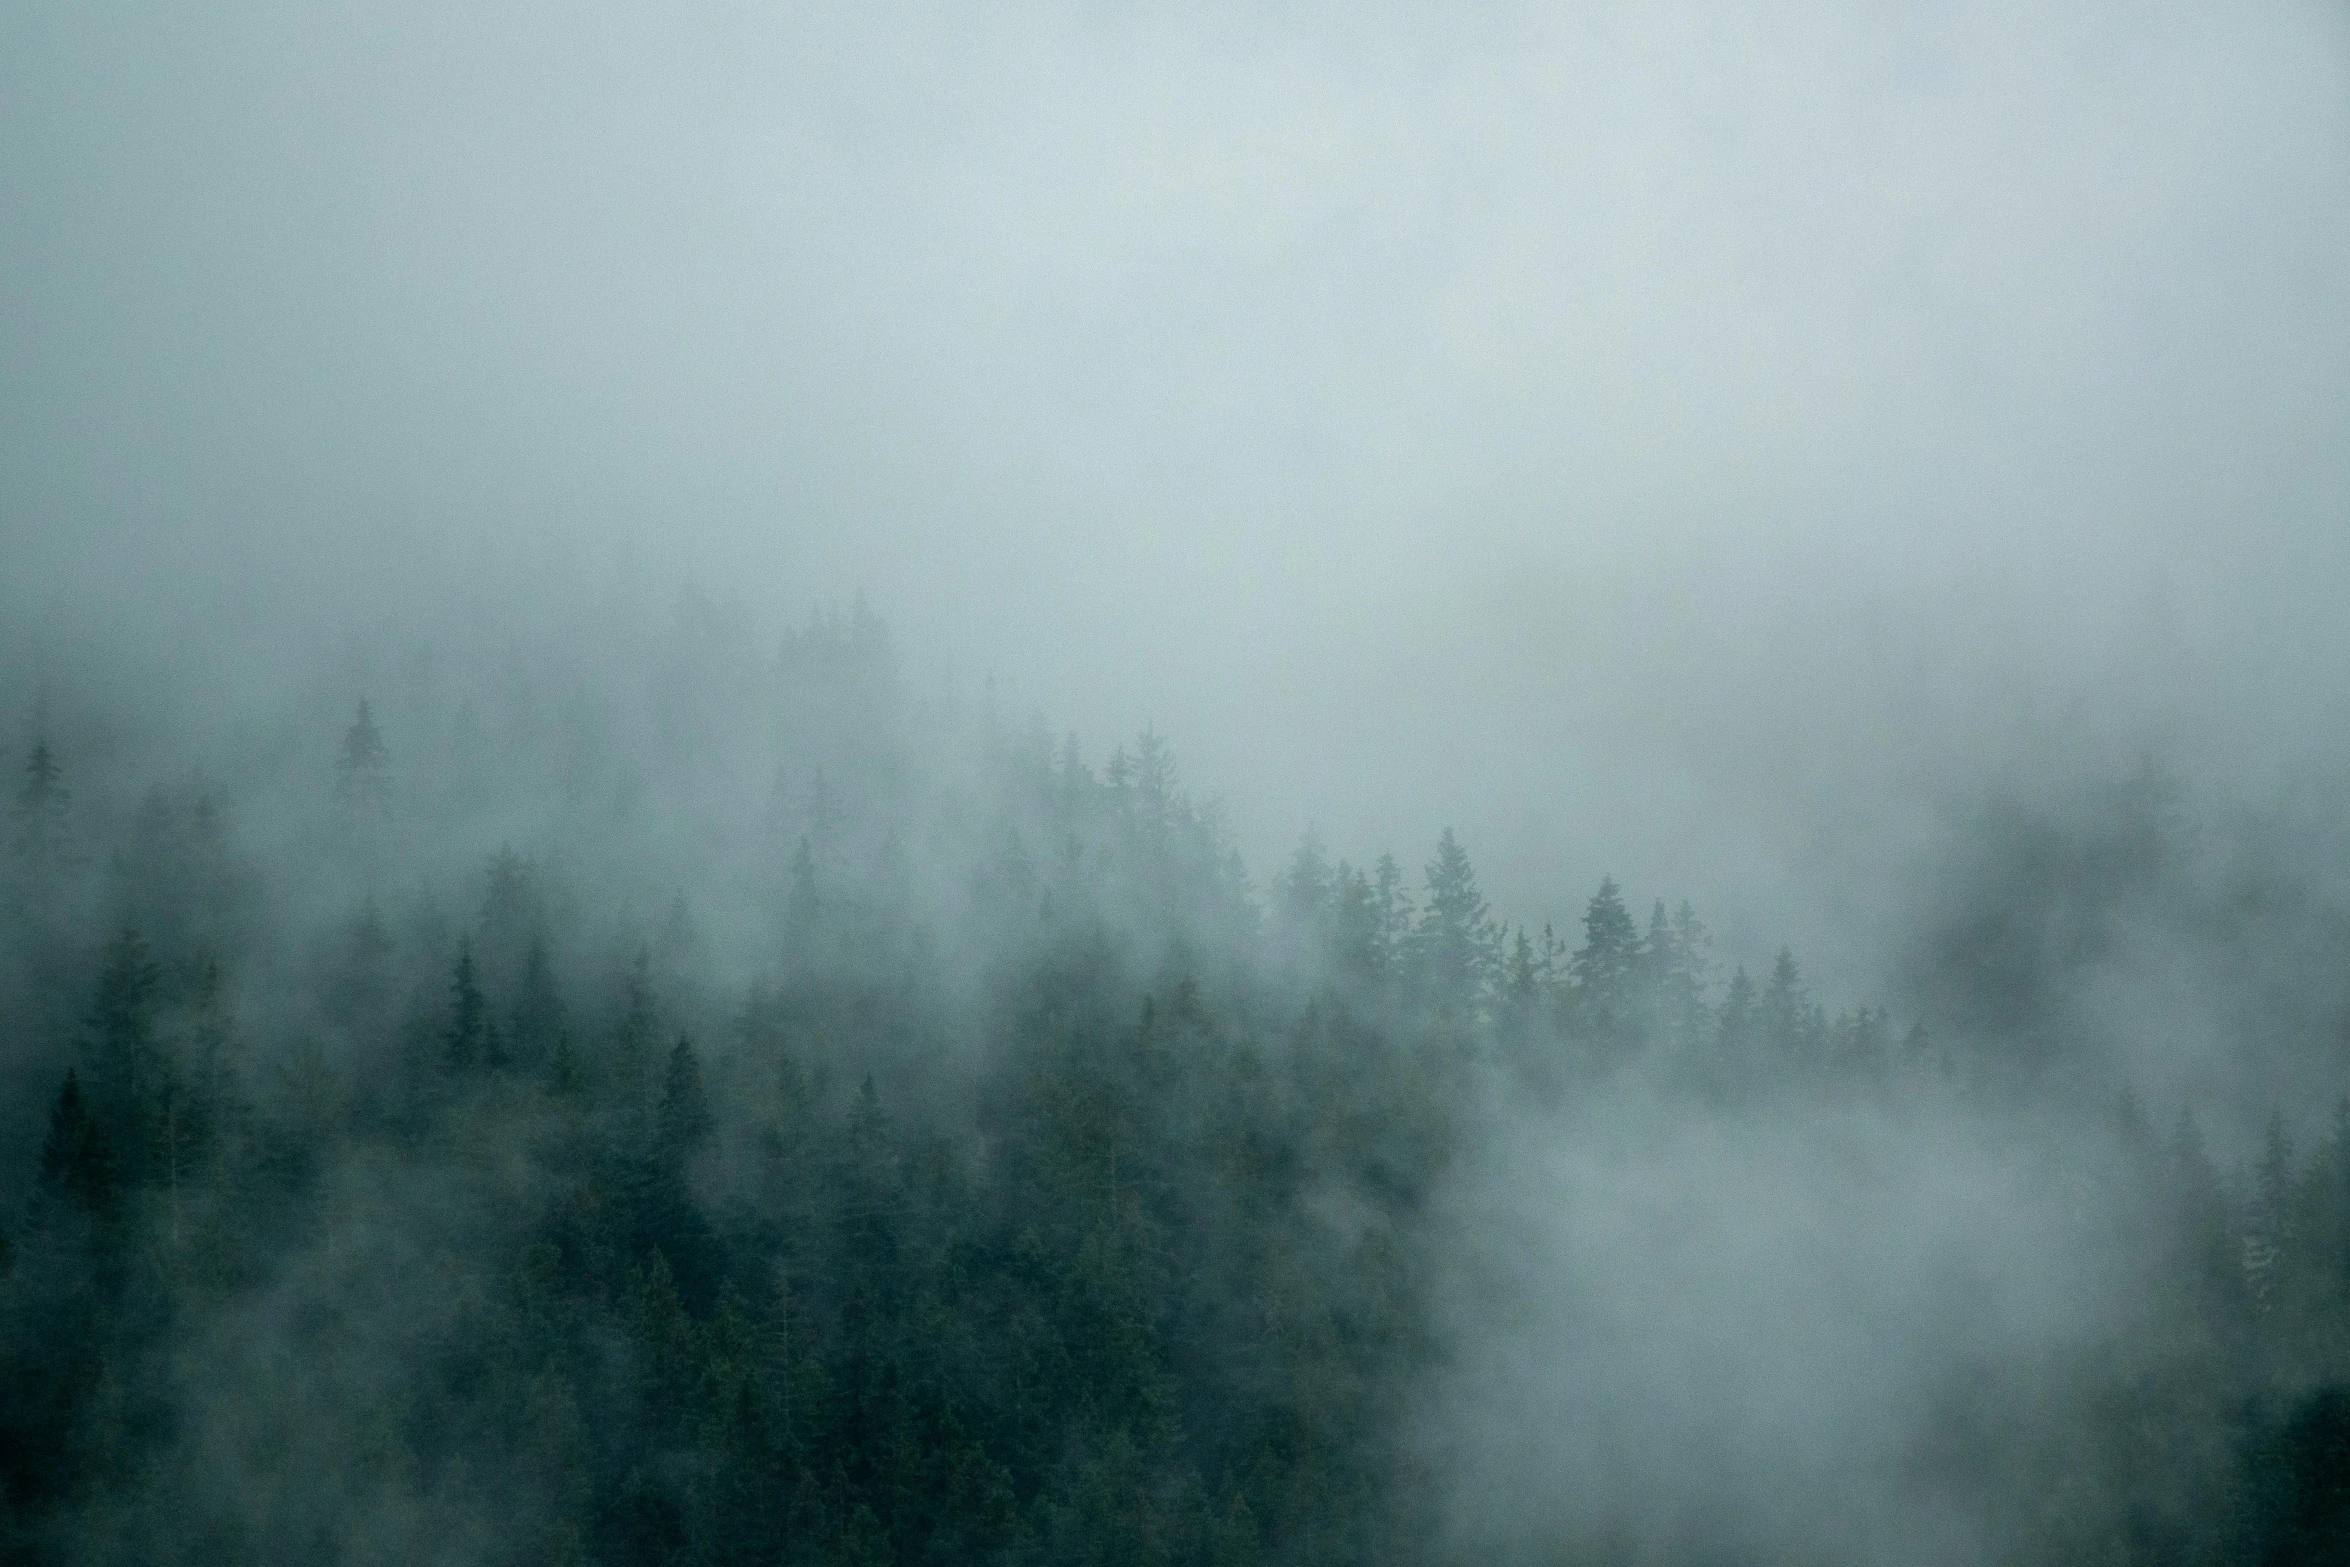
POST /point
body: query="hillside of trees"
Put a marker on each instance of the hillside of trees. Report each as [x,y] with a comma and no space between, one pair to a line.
[727,1109]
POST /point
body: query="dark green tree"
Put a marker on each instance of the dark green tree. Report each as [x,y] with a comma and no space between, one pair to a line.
[76,1167]
[39,812]
[1454,946]
[465,1041]
[1605,974]
[1303,892]
[1790,1025]
[685,1122]
[363,765]
[1358,937]
[537,1030]
[629,1073]
[131,1080]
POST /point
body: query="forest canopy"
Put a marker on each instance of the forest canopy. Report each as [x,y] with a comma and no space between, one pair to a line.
[725,1108]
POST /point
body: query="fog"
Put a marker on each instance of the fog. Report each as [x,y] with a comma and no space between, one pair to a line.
[1879,473]
[1605,432]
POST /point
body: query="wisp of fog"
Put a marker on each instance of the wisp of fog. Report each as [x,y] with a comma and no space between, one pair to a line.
[912,783]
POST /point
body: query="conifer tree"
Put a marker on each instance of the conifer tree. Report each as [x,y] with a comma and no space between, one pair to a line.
[1393,907]
[76,1166]
[130,1074]
[39,812]
[465,1043]
[1152,783]
[363,765]
[685,1122]
[1787,1019]
[564,1081]
[1605,971]
[1734,1032]
[803,904]
[536,1030]
[1454,945]
[1676,950]
[1356,937]
[2273,1193]
[1525,987]
[633,1042]
[1304,888]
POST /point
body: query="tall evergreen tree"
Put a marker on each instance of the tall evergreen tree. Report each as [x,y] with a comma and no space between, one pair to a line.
[1455,944]
[631,1062]
[363,764]
[1303,891]
[1735,1033]
[130,1075]
[1605,973]
[803,904]
[1789,1023]
[1392,906]
[685,1122]
[1357,931]
[465,1041]
[76,1166]
[536,1029]
[39,811]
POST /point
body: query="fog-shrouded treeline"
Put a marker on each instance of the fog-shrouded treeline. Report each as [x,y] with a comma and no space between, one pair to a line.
[713,1103]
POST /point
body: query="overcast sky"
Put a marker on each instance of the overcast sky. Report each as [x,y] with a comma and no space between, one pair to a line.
[1671,439]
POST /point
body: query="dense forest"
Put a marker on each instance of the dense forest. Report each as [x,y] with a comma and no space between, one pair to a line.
[730,1107]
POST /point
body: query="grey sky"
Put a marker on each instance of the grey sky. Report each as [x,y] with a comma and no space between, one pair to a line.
[1659,439]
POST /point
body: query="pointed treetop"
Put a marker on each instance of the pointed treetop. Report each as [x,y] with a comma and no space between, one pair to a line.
[74,1162]
[363,764]
[41,785]
[684,1122]
[1306,885]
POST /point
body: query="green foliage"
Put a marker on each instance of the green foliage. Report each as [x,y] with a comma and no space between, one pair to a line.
[1454,945]
[1068,1215]
[76,1167]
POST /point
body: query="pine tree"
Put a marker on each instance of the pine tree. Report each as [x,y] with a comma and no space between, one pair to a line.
[1734,1033]
[1789,1022]
[1393,907]
[1680,968]
[536,1029]
[2270,1226]
[465,1043]
[76,1166]
[1303,897]
[363,766]
[201,1104]
[633,1042]
[1454,945]
[1922,1053]
[563,1075]
[1356,935]
[130,1074]
[1153,782]
[37,840]
[1525,994]
[1858,1047]
[821,815]
[1604,971]
[685,1122]
[803,904]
